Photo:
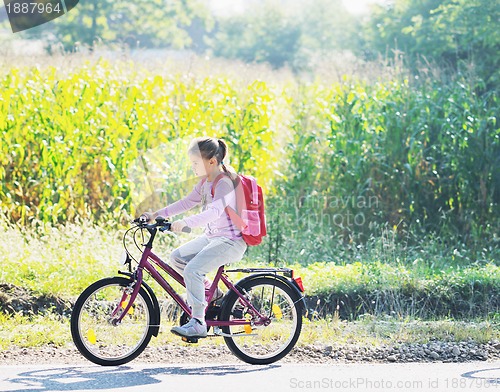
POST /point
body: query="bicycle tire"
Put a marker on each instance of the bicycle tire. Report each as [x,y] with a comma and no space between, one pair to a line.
[81,341]
[228,311]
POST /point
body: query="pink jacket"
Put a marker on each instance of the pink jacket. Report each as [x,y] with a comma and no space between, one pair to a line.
[213,215]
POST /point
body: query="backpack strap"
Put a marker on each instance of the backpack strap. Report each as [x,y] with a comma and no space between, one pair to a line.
[255,192]
[235,217]
[216,180]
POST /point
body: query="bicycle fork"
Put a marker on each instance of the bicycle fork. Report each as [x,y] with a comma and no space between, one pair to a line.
[131,291]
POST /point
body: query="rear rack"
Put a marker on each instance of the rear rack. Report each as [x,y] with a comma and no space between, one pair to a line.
[285,271]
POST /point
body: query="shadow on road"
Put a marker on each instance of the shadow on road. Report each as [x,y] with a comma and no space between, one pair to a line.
[98,378]
[489,376]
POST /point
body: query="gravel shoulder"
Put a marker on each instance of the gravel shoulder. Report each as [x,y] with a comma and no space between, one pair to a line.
[317,353]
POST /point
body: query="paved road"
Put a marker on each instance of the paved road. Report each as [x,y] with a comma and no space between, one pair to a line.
[476,376]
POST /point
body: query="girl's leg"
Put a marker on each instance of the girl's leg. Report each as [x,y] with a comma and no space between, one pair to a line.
[181,255]
[184,253]
[219,251]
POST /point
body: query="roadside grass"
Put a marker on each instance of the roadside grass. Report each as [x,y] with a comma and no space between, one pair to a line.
[18,331]
[376,331]
[63,260]
[374,287]
[56,260]
[33,331]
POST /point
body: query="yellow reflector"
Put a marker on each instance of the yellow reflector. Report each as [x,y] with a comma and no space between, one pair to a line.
[277,311]
[124,305]
[247,328]
[91,336]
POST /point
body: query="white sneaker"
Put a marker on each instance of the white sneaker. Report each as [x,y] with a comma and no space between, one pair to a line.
[194,328]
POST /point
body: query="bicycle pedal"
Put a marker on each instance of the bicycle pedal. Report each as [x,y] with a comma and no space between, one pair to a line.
[189,340]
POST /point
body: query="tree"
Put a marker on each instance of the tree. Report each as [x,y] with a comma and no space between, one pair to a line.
[147,23]
[327,25]
[450,32]
[285,32]
[263,36]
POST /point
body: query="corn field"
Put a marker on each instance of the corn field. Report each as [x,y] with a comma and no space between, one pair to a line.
[68,142]
[83,143]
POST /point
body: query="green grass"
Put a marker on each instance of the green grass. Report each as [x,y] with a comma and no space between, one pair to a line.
[386,330]
[381,288]
[34,331]
[51,260]
[37,331]
[63,260]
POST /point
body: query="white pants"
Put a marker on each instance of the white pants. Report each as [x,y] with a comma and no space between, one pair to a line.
[196,258]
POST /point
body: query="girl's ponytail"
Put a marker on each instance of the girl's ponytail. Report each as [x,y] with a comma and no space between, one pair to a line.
[222,153]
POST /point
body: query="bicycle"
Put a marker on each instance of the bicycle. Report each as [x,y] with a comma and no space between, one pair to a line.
[259,317]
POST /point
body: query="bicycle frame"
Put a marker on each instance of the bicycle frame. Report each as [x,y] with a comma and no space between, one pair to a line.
[145,264]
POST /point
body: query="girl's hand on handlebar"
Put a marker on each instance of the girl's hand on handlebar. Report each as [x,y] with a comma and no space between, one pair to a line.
[178,225]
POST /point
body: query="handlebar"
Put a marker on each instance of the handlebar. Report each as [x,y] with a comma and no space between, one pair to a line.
[161,223]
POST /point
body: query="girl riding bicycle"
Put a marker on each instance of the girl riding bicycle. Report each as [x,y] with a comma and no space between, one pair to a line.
[221,242]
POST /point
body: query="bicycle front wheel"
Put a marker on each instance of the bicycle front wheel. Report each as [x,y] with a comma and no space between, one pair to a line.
[262,345]
[96,336]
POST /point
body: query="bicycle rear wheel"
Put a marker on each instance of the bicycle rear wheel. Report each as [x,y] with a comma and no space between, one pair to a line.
[93,330]
[262,345]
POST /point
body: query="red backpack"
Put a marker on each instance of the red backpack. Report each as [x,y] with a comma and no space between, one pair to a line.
[249,216]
